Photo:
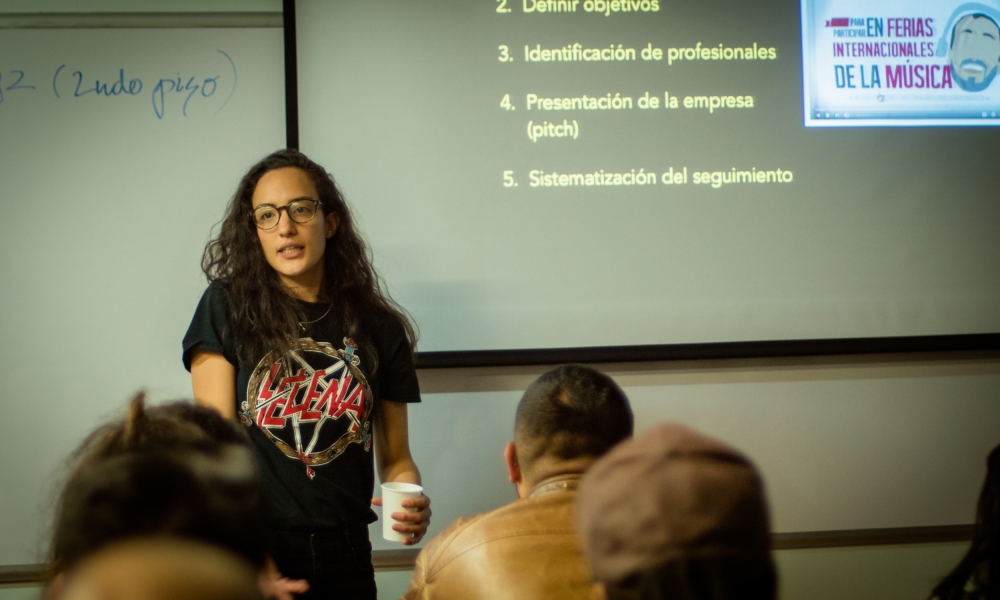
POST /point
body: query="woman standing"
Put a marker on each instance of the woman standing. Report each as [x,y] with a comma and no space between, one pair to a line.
[296,337]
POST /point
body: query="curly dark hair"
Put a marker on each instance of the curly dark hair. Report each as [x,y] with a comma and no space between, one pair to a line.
[176,470]
[264,316]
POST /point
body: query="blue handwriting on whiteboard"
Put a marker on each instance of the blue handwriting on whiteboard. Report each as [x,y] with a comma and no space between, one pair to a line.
[165,86]
[103,89]
[190,87]
[18,76]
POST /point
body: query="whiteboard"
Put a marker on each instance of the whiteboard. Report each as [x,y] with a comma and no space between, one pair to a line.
[119,150]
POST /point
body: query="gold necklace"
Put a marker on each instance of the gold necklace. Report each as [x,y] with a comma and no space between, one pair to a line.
[323,316]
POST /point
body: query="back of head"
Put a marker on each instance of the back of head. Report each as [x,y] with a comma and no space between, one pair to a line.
[161,569]
[175,470]
[571,412]
[977,575]
[674,514]
[168,426]
[162,493]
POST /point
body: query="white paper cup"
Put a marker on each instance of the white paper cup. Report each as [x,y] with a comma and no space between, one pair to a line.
[393,494]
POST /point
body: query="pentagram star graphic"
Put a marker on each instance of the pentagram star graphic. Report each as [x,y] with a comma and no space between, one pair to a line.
[314,408]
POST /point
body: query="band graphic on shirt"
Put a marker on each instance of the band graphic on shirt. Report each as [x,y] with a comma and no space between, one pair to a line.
[314,409]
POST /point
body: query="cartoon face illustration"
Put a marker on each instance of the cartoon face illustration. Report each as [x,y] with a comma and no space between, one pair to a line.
[975,52]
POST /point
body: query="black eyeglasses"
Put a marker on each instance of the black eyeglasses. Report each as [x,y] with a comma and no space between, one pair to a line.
[300,210]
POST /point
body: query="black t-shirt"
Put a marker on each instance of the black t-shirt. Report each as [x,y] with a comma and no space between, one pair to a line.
[311,425]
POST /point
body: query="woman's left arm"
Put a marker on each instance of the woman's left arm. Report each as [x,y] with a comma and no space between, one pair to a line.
[394,463]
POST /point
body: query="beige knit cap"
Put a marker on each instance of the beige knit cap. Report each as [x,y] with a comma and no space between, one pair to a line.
[666,494]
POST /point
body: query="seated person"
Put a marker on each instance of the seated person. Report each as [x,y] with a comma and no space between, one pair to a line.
[529,548]
[179,471]
[674,514]
[977,575]
[159,492]
[161,569]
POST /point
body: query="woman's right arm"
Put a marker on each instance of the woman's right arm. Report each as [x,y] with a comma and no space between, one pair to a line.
[213,379]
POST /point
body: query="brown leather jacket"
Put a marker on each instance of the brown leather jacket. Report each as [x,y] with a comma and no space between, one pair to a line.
[525,550]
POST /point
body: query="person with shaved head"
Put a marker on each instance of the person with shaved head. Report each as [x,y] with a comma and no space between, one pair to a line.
[530,549]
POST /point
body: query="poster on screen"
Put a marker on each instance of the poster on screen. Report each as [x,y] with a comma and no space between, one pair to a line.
[900,63]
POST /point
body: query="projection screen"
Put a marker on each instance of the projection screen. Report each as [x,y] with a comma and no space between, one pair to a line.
[559,174]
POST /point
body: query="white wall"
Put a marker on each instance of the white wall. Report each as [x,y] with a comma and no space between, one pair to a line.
[904,572]
[844,443]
